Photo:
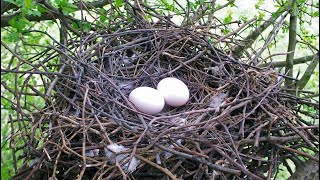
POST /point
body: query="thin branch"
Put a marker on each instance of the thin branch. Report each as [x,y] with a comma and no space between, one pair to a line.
[201,160]
[164,170]
[235,32]
[252,37]
[203,11]
[307,74]
[300,60]
[272,35]
[292,42]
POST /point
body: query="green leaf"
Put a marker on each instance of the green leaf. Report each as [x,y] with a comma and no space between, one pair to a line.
[18,23]
[102,11]
[66,7]
[28,7]
[228,18]
[258,4]
[193,5]
[244,18]
[86,26]
[13,37]
[69,8]
[58,2]
[261,15]
[72,6]
[61,3]
[28,4]
[103,18]
[33,12]
[119,3]
[171,7]
[275,14]
[16,2]
[199,2]
[75,25]
[315,14]
[41,9]
[301,1]
[225,31]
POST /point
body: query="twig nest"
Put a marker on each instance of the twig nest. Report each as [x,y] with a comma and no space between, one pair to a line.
[114,153]
[174,91]
[230,101]
[147,100]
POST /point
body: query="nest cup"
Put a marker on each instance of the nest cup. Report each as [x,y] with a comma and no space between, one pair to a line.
[224,127]
[120,63]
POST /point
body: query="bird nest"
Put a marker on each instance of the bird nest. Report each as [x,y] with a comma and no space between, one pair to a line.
[238,122]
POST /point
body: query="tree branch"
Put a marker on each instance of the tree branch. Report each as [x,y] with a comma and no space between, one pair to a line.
[292,42]
[6,6]
[308,171]
[300,60]
[309,71]
[238,50]
[272,35]
[49,16]
[202,11]
[44,16]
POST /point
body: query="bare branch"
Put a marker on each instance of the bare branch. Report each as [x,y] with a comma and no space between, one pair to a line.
[272,35]
[292,42]
[308,171]
[236,31]
[307,74]
[203,10]
[252,37]
[300,60]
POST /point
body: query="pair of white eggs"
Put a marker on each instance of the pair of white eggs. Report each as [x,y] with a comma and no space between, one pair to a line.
[171,91]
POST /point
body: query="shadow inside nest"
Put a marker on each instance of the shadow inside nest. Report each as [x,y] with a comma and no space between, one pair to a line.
[236,120]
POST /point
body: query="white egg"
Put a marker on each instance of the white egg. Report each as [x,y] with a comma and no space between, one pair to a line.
[174,91]
[147,100]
